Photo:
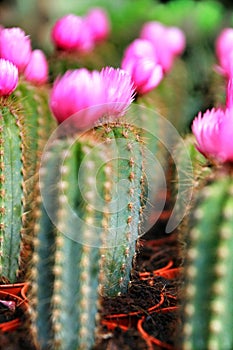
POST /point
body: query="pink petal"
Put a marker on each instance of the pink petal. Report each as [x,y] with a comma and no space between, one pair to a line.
[8,77]
[98,23]
[37,69]
[15,46]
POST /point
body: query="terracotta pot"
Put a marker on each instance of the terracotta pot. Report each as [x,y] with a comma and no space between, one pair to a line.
[169,273]
[18,289]
[130,319]
[13,306]
[149,338]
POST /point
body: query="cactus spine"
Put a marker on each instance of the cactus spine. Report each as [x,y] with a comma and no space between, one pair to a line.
[208,307]
[77,261]
[19,159]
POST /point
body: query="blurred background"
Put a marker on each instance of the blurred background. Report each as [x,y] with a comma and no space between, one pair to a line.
[197,18]
[191,86]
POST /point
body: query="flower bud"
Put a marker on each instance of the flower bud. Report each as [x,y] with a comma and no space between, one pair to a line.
[71,33]
[98,22]
[168,42]
[8,77]
[37,68]
[141,62]
[15,46]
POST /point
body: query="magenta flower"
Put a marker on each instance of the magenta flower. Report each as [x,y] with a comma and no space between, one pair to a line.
[141,62]
[15,46]
[213,131]
[168,42]
[8,77]
[224,51]
[98,23]
[76,91]
[90,96]
[71,33]
[119,91]
[37,69]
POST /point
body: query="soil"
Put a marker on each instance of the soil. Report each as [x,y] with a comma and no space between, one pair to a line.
[162,323]
[133,321]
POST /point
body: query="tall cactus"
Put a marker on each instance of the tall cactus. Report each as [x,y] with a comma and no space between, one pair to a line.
[11,148]
[21,142]
[208,307]
[99,178]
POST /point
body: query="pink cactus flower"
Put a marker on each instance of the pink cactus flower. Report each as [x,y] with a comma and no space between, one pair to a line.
[176,40]
[168,42]
[15,46]
[37,69]
[119,90]
[98,22]
[224,51]
[90,96]
[76,91]
[213,131]
[8,77]
[141,62]
[71,33]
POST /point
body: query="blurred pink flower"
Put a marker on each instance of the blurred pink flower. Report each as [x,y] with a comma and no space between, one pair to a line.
[229,93]
[15,46]
[224,51]
[141,62]
[36,70]
[119,90]
[98,23]
[214,131]
[8,77]
[71,33]
[90,96]
[168,42]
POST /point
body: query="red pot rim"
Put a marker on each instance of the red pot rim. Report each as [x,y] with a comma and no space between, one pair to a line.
[18,289]
[150,339]
[20,302]
[135,313]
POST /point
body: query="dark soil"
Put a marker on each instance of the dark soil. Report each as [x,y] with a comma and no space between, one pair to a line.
[142,296]
[120,316]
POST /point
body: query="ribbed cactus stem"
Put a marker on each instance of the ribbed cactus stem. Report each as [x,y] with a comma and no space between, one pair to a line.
[76,264]
[26,124]
[95,192]
[38,125]
[208,308]
[125,178]
[11,191]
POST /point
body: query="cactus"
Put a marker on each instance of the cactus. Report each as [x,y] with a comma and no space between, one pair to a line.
[11,148]
[20,146]
[208,306]
[79,257]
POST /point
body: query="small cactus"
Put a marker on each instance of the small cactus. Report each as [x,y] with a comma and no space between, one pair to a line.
[208,307]
[99,177]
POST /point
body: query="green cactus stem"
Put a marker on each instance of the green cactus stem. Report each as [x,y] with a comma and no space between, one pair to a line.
[11,191]
[96,186]
[38,124]
[208,307]
[25,124]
